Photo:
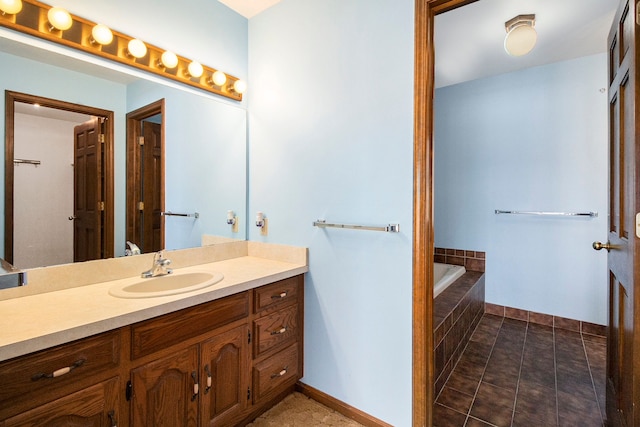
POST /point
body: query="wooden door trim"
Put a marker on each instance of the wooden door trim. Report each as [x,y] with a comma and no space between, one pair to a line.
[134,118]
[10,98]
[423,240]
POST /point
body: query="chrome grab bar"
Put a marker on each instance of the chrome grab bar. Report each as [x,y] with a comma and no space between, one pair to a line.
[391,228]
[589,214]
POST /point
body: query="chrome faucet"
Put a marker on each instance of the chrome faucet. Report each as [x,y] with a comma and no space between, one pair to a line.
[159,267]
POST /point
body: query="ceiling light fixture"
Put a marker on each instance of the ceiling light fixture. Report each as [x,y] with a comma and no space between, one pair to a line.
[59,18]
[11,7]
[521,36]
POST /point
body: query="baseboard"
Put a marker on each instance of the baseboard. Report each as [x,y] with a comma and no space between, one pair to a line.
[339,406]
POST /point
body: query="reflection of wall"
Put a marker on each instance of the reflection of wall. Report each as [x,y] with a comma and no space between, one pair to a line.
[26,76]
[43,195]
[205,158]
[529,140]
[331,136]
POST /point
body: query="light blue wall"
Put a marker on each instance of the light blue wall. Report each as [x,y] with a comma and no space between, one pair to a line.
[331,136]
[529,140]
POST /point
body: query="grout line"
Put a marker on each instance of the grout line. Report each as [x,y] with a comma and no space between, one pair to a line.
[593,383]
[515,397]
[483,371]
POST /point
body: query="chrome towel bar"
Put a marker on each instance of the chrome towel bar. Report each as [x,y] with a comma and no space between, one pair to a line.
[589,214]
[391,228]
[169,213]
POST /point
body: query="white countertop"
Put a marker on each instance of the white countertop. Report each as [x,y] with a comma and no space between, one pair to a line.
[44,320]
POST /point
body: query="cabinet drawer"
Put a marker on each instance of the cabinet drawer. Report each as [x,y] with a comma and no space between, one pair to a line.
[44,375]
[94,405]
[275,371]
[275,329]
[278,293]
[161,332]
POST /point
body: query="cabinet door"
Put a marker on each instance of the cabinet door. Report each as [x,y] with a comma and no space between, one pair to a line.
[165,391]
[225,367]
[95,406]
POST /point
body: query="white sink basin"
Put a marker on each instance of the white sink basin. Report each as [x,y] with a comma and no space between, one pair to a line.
[171,284]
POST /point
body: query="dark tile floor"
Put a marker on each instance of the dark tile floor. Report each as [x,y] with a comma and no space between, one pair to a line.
[514,373]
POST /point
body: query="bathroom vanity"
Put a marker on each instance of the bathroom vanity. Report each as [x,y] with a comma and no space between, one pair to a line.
[225,356]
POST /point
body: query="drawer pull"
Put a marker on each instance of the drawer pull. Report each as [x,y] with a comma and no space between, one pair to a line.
[112,419]
[281,373]
[281,295]
[208,372]
[282,330]
[196,388]
[60,372]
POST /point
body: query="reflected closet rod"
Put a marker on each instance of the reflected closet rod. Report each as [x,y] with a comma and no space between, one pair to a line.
[193,215]
[26,162]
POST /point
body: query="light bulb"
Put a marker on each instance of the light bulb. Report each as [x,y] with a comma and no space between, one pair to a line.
[59,18]
[10,6]
[137,48]
[169,59]
[219,78]
[195,69]
[240,86]
[101,34]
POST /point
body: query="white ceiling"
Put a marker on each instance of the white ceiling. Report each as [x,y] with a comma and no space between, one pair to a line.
[249,8]
[469,40]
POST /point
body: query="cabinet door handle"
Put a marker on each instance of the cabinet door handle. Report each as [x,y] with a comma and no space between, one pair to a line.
[282,330]
[196,388]
[59,372]
[281,373]
[208,372]
[281,295]
[112,418]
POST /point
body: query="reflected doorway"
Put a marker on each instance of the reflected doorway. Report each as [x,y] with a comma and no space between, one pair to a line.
[145,177]
[58,182]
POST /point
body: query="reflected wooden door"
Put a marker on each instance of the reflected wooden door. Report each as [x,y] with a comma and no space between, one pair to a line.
[151,155]
[622,367]
[88,182]
[145,177]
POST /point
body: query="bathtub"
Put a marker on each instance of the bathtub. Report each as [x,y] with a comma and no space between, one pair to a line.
[444,275]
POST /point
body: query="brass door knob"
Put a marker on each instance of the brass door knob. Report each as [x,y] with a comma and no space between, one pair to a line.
[597,246]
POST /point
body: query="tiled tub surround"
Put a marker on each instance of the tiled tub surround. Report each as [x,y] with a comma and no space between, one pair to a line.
[457,311]
[472,260]
[546,320]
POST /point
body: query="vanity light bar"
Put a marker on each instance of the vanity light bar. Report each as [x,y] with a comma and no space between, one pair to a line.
[33,20]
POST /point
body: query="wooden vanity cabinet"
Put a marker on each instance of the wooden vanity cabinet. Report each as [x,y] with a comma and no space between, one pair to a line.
[71,384]
[220,363]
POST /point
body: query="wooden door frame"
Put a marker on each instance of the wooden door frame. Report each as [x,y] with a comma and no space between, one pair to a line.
[423,240]
[10,98]
[134,119]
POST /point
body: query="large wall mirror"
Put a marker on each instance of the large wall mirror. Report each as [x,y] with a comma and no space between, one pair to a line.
[205,139]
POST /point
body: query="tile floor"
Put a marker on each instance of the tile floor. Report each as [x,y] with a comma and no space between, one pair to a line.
[514,373]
